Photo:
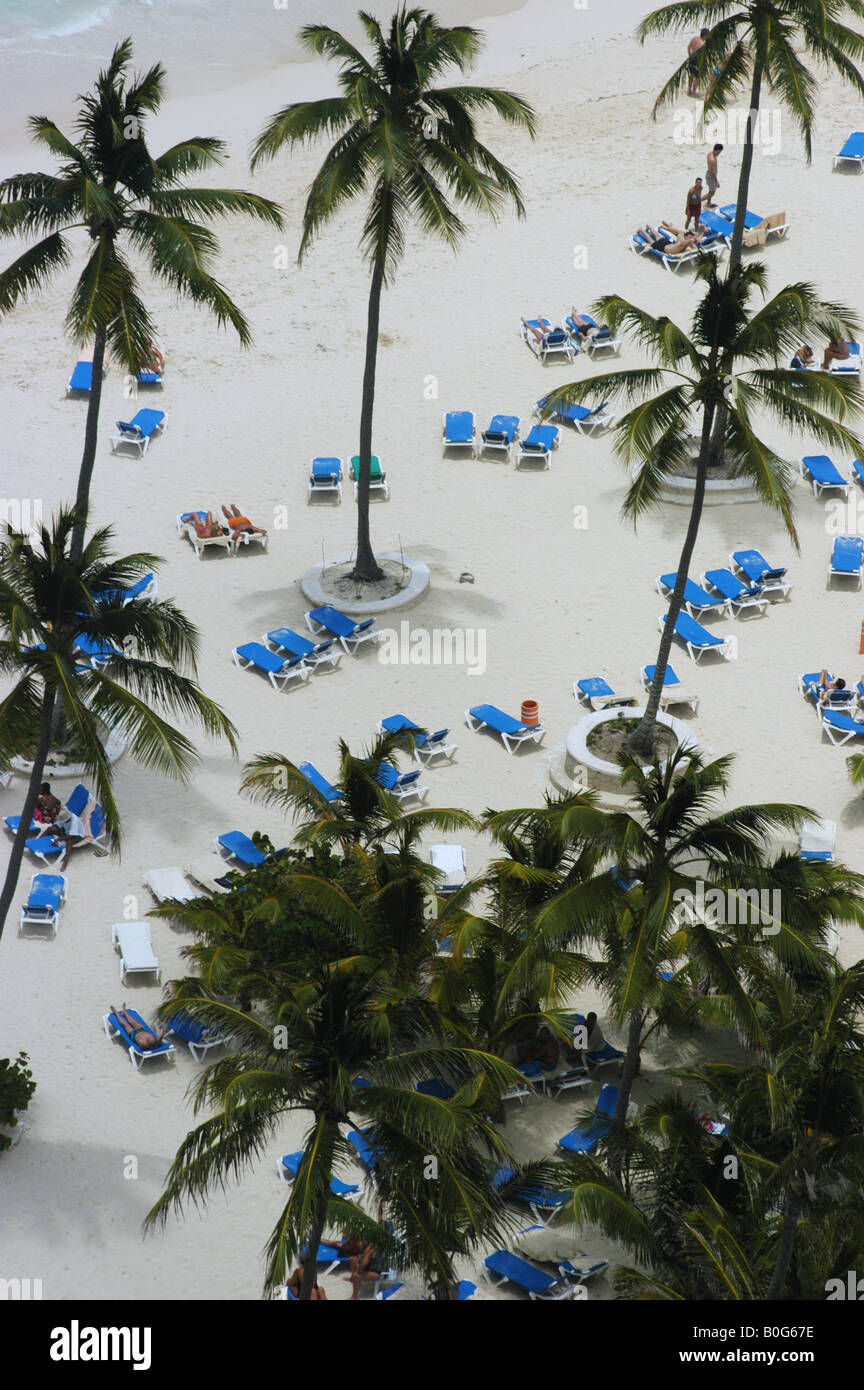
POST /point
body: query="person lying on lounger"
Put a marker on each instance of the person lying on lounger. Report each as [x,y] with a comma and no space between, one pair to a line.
[209,527]
[836,351]
[543,1049]
[317,1295]
[701,233]
[658,241]
[538,331]
[585,329]
[827,685]
[71,829]
[238,522]
[141,1035]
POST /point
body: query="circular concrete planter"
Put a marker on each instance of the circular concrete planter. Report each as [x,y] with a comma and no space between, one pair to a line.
[718,491]
[417,582]
[601,775]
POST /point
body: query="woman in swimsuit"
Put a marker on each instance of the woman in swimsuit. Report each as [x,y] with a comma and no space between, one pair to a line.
[142,1036]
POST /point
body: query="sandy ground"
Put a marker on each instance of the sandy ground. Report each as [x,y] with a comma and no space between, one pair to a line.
[555,601]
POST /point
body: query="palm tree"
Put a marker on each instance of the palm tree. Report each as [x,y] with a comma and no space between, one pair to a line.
[126,200]
[48,598]
[763,44]
[728,361]
[412,147]
[325,1024]
[673,840]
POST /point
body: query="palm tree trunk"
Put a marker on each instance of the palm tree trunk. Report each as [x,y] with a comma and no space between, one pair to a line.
[366,566]
[23,831]
[746,166]
[641,741]
[792,1210]
[313,1240]
[85,473]
[736,245]
[630,1069]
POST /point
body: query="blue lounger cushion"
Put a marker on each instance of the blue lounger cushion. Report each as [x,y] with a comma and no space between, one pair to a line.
[540,439]
[143,423]
[499,721]
[363,1149]
[853,147]
[239,846]
[520,1272]
[459,427]
[326,468]
[730,586]
[824,470]
[291,1162]
[693,593]
[435,1086]
[502,429]
[46,893]
[669,676]
[593,687]
[689,630]
[319,781]
[82,377]
[846,556]
[755,566]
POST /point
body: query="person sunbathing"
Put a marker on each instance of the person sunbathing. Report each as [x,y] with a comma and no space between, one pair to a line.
[827,685]
[585,329]
[317,1294]
[209,527]
[538,330]
[702,234]
[836,351]
[240,523]
[659,240]
[142,1036]
[802,359]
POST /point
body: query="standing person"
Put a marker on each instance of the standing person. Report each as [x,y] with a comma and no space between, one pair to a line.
[693,47]
[693,207]
[711,180]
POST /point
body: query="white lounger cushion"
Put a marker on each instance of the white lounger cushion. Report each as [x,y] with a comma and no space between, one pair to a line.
[170,883]
[450,859]
[818,836]
[204,871]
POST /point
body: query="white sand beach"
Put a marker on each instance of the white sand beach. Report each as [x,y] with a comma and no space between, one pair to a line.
[554,600]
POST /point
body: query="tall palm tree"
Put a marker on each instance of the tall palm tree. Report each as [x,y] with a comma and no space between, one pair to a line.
[48,599]
[762,45]
[727,361]
[125,200]
[408,145]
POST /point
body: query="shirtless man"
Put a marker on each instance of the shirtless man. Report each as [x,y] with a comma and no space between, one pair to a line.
[693,47]
[711,180]
[686,242]
[238,522]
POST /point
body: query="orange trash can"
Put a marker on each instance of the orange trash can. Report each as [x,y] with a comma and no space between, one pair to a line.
[530,712]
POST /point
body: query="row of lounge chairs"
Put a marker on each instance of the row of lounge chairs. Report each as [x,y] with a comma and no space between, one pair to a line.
[757,229]
[44,846]
[230,539]
[198,1037]
[597,693]
[841,715]
[285,655]
[325,476]
[80,382]
[565,340]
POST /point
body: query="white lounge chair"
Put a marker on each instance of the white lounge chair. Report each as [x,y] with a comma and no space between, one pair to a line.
[555,342]
[451,861]
[186,527]
[170,883]
[817,839]
[132,940]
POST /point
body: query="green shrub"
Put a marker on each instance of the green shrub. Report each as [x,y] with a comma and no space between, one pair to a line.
[16,1091]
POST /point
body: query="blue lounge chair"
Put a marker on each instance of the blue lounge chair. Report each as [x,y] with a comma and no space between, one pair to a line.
[137,432]
[350,634]
[839,726]
[600,341]
[582,417]
[81,378]
[846,558]
[774,226]
[606,1054]
[137,1055]
[149,378]
[597,693]
[507,1267]
[426,746]
[403,785]
[98,653]
[144,588]
[363,1149]
[858,470]
[278,669]
[738,595]
[642,247]
[537,445]
[319,782]
[696,599]
[198,1037]
[585,1269]
[325,475]
[47,847]
[238,846]
[513,732]
[696,638]
[289,1166]
[824,474]
[555,342]
[753,565]
[436,1087]
[76,802]
[284,639]
[459,430]
[42,907]
[852,151]
[544,1201]
[810,684]
[502,431]
[714,220]
[586,1137]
